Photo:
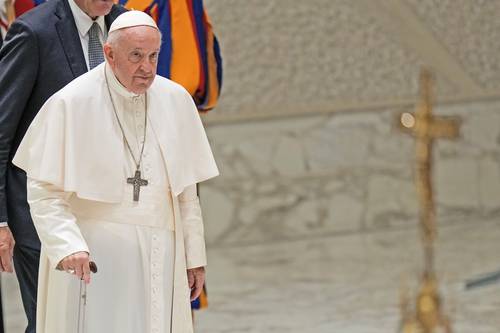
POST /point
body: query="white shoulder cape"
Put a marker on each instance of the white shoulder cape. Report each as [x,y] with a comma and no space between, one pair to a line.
[75,143]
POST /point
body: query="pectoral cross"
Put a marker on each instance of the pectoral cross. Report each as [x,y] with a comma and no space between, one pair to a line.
[426,128]
[137,182]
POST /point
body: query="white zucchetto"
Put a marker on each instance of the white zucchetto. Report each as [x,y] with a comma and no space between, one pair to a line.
[132,18]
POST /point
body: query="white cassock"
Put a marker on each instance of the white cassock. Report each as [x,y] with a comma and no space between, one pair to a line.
[77,164]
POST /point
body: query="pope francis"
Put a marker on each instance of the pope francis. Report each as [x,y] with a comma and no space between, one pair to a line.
[112,161]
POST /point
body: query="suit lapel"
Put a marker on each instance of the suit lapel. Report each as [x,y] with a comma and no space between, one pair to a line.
[70,39]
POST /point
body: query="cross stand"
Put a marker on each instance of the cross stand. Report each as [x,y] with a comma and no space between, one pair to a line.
[426,128]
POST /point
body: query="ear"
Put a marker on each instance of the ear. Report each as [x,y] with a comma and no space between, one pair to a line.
[109,54]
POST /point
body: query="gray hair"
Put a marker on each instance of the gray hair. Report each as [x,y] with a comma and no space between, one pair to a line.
[114,37]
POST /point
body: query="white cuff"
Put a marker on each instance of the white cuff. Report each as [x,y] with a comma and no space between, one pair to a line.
[194,240]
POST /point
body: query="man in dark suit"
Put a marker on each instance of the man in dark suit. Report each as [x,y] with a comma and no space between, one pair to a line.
[44,49]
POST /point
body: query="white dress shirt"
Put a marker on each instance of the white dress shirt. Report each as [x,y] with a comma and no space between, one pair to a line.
[83,24]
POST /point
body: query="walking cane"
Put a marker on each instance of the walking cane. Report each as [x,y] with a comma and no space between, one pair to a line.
[82,302]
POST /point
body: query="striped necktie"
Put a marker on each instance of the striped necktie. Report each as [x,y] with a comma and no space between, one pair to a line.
[95,47]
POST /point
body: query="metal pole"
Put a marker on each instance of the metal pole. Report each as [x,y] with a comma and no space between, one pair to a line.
[82,303]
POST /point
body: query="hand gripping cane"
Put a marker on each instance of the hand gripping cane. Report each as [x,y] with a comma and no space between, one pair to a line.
[82,302]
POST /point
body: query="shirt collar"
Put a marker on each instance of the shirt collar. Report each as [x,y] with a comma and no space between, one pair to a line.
[83,21]
[116,86]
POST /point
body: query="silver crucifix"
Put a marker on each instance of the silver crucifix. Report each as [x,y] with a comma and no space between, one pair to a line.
[137,182]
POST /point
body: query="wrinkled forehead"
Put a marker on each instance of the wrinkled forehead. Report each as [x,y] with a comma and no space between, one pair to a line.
[137,37]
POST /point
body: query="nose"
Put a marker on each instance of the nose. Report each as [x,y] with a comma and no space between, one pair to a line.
[147,66]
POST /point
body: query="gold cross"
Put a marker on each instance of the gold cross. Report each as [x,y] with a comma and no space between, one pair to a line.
[426,128]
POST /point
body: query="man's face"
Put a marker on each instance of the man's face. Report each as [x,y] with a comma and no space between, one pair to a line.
[94,8]
[133,57]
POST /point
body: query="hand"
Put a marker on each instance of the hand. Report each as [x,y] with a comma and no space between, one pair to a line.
[6,249]
[196,280]
[77,264]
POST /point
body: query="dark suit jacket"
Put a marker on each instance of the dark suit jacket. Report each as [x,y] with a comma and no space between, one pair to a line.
[41,53]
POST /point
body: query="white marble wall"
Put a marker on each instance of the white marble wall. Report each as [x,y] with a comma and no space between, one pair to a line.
[345,173]
[312,224]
